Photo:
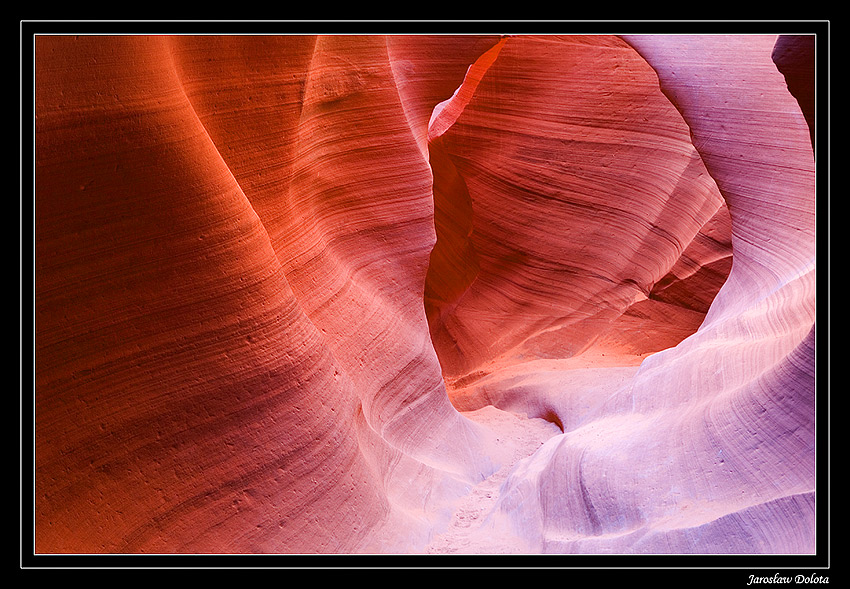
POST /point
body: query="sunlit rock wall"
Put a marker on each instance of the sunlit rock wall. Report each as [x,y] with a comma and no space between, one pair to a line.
[273,271]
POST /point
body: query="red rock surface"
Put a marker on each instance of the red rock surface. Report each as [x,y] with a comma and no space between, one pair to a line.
[301,294]
[575,206]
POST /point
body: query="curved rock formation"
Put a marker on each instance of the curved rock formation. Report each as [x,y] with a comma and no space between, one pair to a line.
[575,204]
[231,349]
[281,280]
[710,447]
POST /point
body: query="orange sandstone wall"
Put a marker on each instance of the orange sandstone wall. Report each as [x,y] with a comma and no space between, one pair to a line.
[232,235]
[565,190]
[272,271]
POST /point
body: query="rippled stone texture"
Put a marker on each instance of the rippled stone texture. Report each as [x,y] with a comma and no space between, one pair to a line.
[710,447]
[274,272]
[561,205]
[232,239]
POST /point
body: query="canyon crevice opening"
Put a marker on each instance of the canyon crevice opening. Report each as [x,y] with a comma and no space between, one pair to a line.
[424,294]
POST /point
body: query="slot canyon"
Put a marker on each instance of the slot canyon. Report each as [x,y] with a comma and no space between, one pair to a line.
[424,294]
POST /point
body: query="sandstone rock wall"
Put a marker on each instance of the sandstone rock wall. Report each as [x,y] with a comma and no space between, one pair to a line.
[273,272]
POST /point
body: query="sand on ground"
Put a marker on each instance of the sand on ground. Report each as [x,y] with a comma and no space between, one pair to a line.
[515,437]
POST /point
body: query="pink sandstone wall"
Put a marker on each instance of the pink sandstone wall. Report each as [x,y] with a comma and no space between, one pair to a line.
[274,272]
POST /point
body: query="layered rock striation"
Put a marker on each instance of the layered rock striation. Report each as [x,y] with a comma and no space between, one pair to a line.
[274,275]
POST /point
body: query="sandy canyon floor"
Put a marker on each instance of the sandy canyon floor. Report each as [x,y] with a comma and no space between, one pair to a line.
[468,533]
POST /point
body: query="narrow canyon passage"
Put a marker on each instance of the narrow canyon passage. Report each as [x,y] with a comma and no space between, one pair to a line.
[424,294]
[564,350]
